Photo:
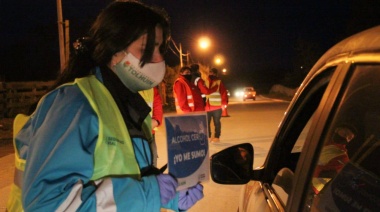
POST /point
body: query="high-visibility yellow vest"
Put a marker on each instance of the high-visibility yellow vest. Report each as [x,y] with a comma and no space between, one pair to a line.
[108,159]
[148,96]
[214,99]
[14,203]
[189,96]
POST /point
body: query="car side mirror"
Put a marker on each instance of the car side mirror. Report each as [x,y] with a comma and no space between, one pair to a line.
[232,165]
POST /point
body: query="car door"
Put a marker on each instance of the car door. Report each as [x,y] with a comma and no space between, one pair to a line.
[337,169]
[272,183]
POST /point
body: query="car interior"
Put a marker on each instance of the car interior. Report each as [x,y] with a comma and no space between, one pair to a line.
[358,177]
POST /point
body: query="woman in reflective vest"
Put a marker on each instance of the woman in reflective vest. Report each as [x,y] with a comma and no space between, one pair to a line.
[85,147]
[214,103]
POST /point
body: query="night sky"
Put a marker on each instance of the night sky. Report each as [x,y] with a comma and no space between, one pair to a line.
[262,41]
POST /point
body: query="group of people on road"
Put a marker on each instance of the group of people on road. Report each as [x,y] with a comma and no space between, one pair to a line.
[87,145]
[188,90]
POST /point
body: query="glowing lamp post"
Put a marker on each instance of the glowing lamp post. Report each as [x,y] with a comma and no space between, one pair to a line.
[218,59]
[204,43]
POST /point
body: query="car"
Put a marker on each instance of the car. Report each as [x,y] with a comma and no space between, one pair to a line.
[324,156]
[249,93]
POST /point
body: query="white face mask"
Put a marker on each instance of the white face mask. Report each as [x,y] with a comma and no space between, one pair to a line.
[136,78]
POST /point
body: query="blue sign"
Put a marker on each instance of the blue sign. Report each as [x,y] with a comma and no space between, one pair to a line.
[187,141]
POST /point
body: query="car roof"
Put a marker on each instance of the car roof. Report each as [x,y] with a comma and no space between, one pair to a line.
[364,42]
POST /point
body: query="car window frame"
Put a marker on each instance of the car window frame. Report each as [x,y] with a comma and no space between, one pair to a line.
[287,135]
[348,99]
[285,140]
[313,146]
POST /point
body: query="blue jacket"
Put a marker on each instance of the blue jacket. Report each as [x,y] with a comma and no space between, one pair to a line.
[58,143]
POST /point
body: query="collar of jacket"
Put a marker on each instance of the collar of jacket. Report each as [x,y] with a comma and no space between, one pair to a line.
[132,106]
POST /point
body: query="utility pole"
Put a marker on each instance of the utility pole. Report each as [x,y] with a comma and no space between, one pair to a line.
[187,58]
[60,35]
[67,42]
[180,55]
[179,49]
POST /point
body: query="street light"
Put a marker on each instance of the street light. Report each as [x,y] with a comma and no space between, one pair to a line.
[218,59]
[204,42]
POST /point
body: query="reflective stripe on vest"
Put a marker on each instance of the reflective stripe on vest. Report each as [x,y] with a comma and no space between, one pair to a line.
[190,100]
[215,99]
[114,153]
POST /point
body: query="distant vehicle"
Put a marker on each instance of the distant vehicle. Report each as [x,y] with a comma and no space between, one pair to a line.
[249,93]
[326,151]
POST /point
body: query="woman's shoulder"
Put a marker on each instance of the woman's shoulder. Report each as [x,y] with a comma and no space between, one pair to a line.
[66,97]
[67,92]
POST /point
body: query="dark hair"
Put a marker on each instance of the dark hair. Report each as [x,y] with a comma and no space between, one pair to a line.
[116,27]
[184,69]
[194,68]
[214,71]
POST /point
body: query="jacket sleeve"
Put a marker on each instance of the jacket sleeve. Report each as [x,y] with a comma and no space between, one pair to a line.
[223,93]
[180,90]
[157,107]
[58,143]
[204,89]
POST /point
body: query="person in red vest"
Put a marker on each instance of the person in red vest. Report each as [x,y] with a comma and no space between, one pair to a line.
[200,83]
[187,96]
[154,101]
[334,154]
[214,103]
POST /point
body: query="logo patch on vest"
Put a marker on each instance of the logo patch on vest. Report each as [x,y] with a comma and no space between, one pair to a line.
[113,141]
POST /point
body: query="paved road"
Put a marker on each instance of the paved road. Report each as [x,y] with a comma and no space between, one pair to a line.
[254,122]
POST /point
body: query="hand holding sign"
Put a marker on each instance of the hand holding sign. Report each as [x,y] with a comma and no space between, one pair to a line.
[168,186]
[188,152]
[188,197]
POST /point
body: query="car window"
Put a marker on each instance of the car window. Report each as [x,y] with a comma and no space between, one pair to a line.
[346,176]
[293,134]
[283,181]
[296,124]
[302,137]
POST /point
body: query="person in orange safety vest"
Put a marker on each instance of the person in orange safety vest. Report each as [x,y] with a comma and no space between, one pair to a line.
[186,94]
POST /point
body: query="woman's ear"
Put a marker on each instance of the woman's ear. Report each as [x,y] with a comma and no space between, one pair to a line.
[116,58]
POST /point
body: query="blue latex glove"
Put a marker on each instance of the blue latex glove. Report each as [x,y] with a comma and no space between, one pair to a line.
[168,186]
[188,197]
